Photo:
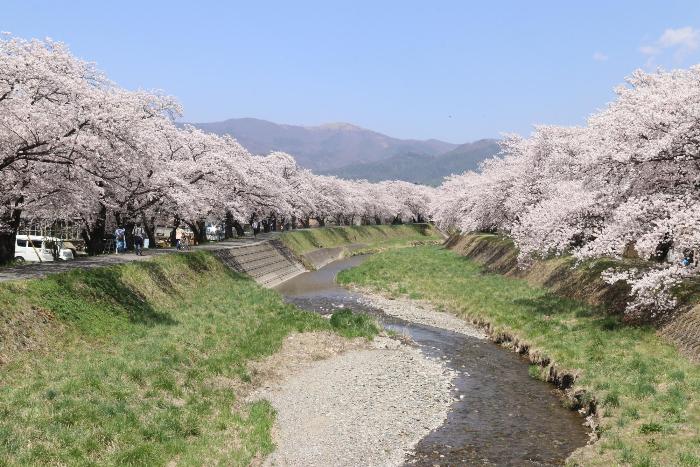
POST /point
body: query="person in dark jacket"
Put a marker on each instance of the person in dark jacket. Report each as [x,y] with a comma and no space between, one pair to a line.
[120,238]
[139,235]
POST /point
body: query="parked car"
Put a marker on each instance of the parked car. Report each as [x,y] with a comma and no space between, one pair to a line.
[34,248]
[215,232]
[77,247]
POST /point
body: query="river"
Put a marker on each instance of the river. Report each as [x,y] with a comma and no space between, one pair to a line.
[504,417]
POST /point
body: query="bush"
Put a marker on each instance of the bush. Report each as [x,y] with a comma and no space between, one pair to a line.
[351,324]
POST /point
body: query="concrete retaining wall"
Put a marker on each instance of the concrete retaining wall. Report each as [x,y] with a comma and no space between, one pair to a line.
[316,259]
[268,262]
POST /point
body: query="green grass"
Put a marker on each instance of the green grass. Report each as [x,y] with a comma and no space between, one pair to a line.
[648,394]
[565,275]
[140,365]
[351,324]
[374,237]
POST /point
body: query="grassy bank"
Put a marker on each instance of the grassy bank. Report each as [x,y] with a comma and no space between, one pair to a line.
[559,274]
[138,364]
[582,281]
[648,395]
[371,236]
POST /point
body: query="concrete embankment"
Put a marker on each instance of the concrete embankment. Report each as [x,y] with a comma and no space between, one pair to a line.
[268,262]
[316,259]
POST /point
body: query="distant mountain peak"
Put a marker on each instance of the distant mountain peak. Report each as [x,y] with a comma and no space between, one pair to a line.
[343,126]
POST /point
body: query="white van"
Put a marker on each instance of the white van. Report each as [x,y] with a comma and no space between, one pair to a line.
[34,248]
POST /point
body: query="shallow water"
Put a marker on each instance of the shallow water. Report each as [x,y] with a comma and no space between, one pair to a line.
[501,415]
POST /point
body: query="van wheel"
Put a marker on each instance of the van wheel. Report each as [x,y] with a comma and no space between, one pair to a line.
[19,260]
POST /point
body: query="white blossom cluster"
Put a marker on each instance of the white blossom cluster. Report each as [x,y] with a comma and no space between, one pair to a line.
[651,289]
[629,180]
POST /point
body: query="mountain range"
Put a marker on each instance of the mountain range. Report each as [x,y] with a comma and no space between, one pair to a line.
[419,168]
[350,151]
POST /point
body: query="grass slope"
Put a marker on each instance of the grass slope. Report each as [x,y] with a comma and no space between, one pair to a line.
[564,275]
[140,364]
[373,236]
[648,394]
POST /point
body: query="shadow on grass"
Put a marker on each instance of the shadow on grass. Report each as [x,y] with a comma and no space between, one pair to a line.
[82,296]
[196,262]
[549,304]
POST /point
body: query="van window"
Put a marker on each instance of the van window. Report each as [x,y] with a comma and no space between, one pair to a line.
[21,243]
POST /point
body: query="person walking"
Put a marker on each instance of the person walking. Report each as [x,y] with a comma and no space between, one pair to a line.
[120,237]
[179,233]
[139,235]
[254,225]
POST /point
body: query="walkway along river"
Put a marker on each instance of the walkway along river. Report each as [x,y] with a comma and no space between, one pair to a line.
[501,417]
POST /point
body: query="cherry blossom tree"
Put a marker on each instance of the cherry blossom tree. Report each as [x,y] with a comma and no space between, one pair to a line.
[47,101]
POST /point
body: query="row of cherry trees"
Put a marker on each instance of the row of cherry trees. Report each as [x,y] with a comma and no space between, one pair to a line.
[628,181]
[75,146]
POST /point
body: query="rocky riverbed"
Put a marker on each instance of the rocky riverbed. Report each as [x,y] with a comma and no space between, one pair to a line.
[368,405]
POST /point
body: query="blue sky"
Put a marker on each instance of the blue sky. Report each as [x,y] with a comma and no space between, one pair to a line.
[456,71]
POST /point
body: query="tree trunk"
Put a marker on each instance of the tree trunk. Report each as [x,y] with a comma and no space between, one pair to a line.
[229,225]
[129,234]
[150,228]
[321,221]
[202,232]
[377,220]
[199,229]
[94,234]
[173,234]
[240,231]
[7,236]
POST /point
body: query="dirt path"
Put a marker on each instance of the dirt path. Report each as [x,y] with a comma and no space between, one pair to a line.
[369,405]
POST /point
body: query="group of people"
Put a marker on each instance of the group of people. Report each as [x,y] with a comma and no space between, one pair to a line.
[264,226]
[138,236]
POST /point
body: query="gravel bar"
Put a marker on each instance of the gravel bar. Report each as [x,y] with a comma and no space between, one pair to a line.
[420,312]
[363,407]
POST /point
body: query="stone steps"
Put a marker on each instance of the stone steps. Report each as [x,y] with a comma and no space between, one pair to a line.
[268,262]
